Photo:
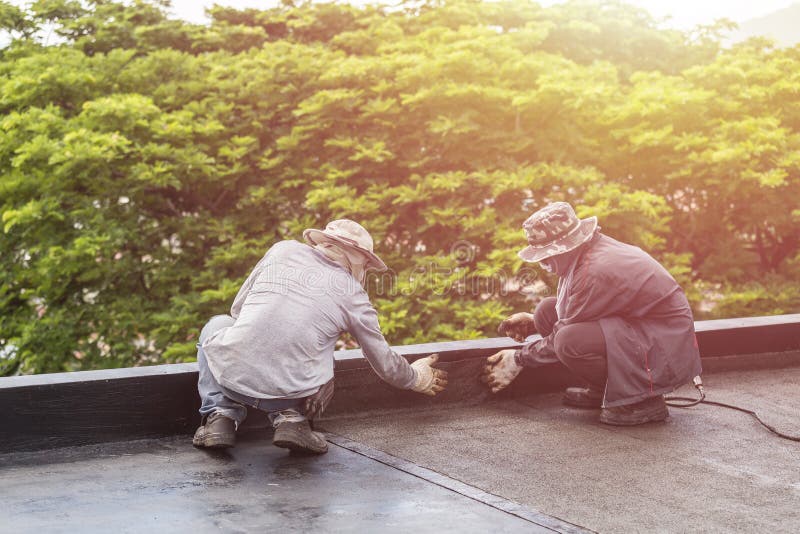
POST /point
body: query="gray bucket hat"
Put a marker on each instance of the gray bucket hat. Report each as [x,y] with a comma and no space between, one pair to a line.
[554,230]
[350,234]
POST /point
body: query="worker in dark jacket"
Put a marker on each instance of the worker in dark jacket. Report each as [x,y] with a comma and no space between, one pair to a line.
[619,321]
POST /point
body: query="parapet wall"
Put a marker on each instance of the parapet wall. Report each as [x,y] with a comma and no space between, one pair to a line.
[67,409]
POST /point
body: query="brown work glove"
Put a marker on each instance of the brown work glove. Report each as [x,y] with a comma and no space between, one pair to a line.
[316,403]
[517,326]
[500,370]
[430,380]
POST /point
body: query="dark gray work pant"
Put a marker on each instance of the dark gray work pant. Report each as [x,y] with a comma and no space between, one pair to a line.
[581,347]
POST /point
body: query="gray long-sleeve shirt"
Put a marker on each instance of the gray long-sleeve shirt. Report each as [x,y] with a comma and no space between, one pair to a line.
[288,315]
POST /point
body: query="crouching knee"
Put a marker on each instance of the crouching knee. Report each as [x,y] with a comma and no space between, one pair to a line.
[566,343]
[545,316]
[579,341]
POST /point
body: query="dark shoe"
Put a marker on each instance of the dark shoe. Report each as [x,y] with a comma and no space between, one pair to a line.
[298,436]
[583,397]
[219,432]
[646,411]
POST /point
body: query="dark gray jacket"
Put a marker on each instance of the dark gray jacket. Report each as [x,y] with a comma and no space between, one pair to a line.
[642,311]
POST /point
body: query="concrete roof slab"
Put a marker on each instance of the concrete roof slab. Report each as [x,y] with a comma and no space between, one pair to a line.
[707,469]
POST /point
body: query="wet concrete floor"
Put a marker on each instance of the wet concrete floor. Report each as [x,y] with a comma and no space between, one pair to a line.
[168,486]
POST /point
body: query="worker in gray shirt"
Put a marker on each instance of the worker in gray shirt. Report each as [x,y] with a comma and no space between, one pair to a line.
[274,352]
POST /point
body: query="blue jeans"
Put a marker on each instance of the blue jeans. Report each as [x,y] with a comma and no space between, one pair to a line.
[218,399]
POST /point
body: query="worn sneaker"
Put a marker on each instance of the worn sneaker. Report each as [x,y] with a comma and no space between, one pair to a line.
[583,397]
[298,436]
[646,411]
[219,432]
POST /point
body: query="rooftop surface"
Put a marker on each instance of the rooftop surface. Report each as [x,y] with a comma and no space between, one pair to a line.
[514,463]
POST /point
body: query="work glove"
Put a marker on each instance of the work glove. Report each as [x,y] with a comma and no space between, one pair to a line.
[518,326]
[501,369]
[316,403]
[430,380]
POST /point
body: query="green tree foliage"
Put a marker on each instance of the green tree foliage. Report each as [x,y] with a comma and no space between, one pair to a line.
[146,163]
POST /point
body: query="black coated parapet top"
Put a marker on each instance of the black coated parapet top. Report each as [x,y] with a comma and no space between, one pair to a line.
[65,409]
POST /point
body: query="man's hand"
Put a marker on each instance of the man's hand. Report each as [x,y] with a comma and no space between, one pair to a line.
[500,370]
[430,380]
[316,403]
[517,326]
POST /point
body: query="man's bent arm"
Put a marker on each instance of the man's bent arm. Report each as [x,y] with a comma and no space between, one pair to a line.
[390,366]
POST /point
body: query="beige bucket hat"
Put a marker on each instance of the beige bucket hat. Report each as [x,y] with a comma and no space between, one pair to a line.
[350,234]
[554,230]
